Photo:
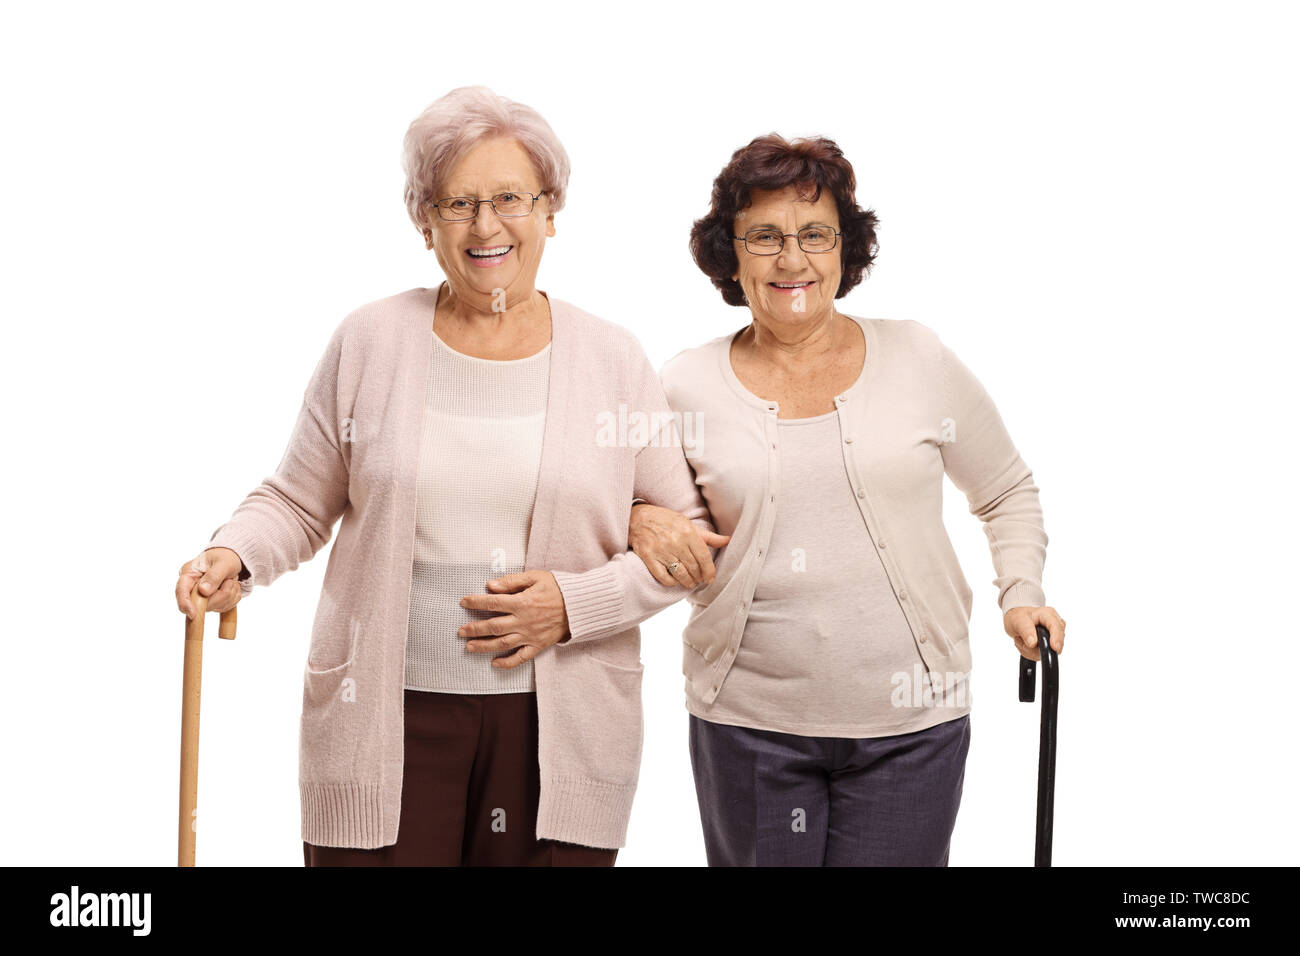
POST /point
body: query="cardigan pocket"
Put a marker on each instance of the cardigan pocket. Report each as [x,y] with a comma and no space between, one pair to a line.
[322,686]
[316,666]
[321,690]
[944,631]
[592,723]
[334,712]
[322,676]
[333,725]
[621,651]
[612,719]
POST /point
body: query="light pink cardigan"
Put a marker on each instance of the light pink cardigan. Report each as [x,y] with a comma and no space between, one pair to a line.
[354,453]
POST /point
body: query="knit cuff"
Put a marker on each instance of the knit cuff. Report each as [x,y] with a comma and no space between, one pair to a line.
[1024,594]
[227,536]
[593,600]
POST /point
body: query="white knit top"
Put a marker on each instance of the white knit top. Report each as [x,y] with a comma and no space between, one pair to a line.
[479,457]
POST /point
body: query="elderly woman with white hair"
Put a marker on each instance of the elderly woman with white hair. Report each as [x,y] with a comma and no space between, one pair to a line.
[474,672]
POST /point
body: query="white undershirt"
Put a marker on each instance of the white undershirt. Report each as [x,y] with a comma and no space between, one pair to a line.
[480,453]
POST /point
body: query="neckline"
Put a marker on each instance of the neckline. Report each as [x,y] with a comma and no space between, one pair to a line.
[749,398]
[808,421]
[439,341]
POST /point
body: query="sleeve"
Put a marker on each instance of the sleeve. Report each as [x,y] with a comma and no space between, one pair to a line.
[290,516]
[622,592]
[983,463]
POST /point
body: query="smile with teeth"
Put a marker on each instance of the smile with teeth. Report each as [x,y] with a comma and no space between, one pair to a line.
[790,287]
[488,255]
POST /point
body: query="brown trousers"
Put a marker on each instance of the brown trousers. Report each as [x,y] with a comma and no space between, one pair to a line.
[470,787]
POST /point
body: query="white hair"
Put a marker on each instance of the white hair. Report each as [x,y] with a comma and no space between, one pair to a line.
[454,123]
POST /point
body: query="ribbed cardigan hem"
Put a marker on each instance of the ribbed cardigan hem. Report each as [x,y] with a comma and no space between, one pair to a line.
[342,814]
[585,811]
[572,810]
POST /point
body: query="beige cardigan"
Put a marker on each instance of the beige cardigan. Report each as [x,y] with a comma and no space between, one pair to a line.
[916,414]
[354,454]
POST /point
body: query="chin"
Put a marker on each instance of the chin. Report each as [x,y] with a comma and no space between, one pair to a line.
[489,283]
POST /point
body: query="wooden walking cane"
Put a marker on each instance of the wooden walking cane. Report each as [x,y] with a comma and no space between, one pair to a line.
[190,718]
[1046,740]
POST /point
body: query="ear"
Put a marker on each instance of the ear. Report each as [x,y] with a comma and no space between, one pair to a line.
[550,224]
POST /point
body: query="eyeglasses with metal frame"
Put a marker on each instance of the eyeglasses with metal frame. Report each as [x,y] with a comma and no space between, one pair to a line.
[769,242]
[508,205]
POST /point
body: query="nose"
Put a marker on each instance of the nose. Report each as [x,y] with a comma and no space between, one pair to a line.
[791,257]
[486,221]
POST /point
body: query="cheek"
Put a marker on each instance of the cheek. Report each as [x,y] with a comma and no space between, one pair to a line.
[751,275]
[830,277]
[446,260]
[446,248]
[530,239]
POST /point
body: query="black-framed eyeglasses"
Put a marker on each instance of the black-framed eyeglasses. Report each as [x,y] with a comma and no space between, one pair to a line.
[507,205]
[769,242]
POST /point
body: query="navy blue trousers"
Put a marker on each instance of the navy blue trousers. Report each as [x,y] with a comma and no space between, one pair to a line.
[775,799]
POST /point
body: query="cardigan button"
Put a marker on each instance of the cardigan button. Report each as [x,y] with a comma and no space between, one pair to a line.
[880,543]
[902,595]
[861,493]
[848,441]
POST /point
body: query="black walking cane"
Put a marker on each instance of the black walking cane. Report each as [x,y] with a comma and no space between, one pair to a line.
[1046,739]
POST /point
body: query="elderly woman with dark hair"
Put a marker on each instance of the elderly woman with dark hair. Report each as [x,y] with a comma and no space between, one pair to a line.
[828,661]
[474,671]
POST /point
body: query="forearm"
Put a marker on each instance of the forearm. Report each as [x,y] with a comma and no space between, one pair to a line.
[622,593]
[1013,524]
[290,516]
[612,598]
[274,531]
[983,462]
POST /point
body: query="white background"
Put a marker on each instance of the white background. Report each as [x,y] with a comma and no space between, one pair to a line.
[1094,204]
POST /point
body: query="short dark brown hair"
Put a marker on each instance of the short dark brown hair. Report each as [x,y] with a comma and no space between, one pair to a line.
[773,162]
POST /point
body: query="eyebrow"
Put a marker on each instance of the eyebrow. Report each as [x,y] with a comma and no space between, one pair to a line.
[774,227]
[495,190]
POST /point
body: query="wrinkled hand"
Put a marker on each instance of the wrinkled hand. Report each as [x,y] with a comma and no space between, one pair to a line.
[216,571]
[1020,623]
[532,617]
[661,537]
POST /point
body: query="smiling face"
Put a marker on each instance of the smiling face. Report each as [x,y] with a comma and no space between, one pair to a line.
[489,252]
[793,285]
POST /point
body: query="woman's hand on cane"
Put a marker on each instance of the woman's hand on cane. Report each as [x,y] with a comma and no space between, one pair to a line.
[1021,623]
[216,572]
